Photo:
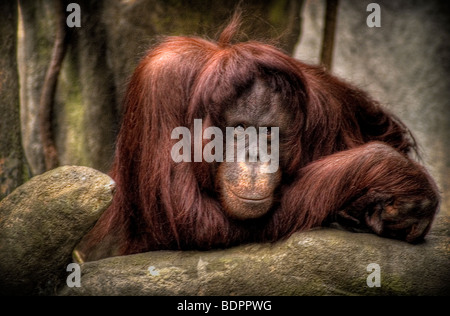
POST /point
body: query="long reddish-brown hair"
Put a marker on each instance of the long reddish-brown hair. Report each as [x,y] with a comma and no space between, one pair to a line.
[160,204]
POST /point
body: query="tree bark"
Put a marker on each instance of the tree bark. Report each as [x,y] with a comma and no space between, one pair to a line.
[97,86]
[36,36]
[326,56]
[47,100]
[13,168]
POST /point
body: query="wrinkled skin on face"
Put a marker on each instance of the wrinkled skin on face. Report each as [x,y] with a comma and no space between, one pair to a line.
[248,189]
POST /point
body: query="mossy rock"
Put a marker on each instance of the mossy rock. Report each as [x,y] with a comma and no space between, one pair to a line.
[320,262]
[42,221]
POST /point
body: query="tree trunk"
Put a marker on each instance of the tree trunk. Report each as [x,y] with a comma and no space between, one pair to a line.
[97,86]
[47,99]
[326,56]
[12,162]
[35,41]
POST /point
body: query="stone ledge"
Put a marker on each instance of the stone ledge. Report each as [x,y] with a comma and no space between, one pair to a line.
[320,262]
[43,220]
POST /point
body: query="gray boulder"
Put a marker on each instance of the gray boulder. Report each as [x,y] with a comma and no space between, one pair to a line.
[42,221]
[320,262]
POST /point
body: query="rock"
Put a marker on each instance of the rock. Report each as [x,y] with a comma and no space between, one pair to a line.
[320,262]
[42,221]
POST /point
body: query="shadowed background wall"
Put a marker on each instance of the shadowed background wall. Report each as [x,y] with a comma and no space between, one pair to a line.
[405,64]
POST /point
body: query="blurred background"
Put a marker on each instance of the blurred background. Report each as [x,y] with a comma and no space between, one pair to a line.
[404,63]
